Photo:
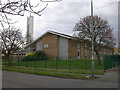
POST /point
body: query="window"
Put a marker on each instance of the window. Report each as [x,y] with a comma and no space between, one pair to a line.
[78,51]
[45,45]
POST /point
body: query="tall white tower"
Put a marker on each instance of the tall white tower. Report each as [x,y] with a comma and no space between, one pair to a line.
[119,24]
[119,27]
[29,34]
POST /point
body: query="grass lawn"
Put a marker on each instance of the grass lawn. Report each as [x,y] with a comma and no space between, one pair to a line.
[65,75]
[96,72]
[60,64]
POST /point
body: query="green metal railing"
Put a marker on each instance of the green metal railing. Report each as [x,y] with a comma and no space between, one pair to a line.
[69,64]
[111,61]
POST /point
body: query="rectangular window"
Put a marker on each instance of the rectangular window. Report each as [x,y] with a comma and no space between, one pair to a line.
[78,53]
[45,45]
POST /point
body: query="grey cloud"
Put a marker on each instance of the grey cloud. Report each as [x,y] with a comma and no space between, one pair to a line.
[63,16]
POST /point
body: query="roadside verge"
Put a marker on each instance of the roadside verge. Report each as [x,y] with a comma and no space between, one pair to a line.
[54,74]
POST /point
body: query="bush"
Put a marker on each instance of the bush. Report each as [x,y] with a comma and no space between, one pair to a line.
[31,54]
[30,58]
[41,54]
[35,56]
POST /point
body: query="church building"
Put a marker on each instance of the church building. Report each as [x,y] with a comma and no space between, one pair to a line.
[56,44]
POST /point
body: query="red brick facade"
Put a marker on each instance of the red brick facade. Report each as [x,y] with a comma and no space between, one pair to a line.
[50,47]
[52,41]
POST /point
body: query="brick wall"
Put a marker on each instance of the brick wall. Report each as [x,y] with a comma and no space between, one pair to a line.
[83,50]
[88,52]
[52,50]
[52,41]
[72,49]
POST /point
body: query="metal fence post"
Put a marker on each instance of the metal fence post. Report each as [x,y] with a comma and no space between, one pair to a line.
[45,64]
[104,63]
[5,62]
[26,63]
[9,62]
[34,64]
[86,61]
[56,64]
[111,61]
[70,65]
[18,61]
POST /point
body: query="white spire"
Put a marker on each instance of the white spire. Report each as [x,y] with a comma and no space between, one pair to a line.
[29,34]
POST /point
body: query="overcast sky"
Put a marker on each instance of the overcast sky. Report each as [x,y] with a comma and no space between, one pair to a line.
[62,16]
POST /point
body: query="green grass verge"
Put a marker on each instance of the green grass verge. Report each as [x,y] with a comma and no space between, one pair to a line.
[60,64]
[61,71]
[50,74]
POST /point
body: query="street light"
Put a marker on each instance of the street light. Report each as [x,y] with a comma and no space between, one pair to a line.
[92,39]
[0,49]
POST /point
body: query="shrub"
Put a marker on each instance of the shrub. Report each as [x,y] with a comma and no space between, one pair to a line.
[31,54]
[35,56]
[30,58]
[41,54]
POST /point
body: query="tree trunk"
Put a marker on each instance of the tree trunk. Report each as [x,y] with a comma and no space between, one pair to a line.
[99,62]
[8,58]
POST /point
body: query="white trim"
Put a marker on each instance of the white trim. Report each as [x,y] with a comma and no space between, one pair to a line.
[53,32]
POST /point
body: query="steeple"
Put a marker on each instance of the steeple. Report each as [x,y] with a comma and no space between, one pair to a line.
[29,33]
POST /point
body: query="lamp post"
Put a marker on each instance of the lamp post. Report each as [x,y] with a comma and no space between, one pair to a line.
[92,39]
[0,49]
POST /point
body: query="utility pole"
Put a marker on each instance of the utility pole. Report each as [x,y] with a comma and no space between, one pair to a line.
[92,39]
[0,49]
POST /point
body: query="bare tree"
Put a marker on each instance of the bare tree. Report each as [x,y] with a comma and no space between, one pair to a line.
[102,33]
[18,7]
[12,40]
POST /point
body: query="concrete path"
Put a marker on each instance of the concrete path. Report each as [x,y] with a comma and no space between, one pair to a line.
[110,76]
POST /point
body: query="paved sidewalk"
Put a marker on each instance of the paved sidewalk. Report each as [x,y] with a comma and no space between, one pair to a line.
[110,76]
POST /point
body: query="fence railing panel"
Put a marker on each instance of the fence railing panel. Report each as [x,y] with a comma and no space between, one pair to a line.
[109,61]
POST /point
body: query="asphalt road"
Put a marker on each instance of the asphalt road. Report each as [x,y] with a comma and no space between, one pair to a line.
[0,79]
[22,80]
